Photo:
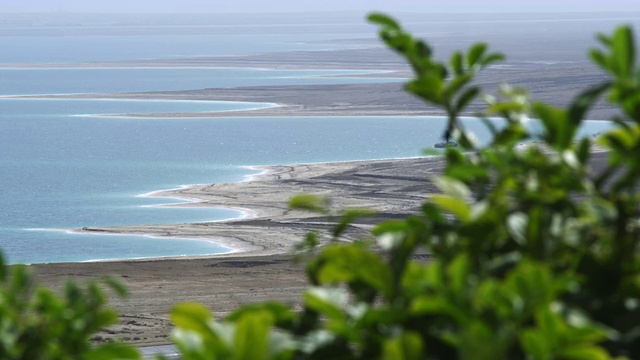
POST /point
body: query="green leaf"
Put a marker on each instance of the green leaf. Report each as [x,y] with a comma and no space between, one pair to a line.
[466,98]
[422,49]
[456,63]
[408,346]
[599,58]
[511,134]
[252,336]
[458,276]
[621,139]
[624,50]
[453,205]
[584,151]
[452,187]
[383,20]
[456,84]
[558,130]
[604,40]
[584,352]
[583,102]
[327,301]
[535,345]
[309,202]
[491,59]
[113,351]
[192,316]
[429,87]
[282,314]
[348,217]
[476,52]
[390,234]
[354,263]
[517,225]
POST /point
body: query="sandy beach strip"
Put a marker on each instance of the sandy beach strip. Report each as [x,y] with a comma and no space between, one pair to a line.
[263,269]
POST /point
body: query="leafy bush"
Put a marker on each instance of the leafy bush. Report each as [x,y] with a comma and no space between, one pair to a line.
[533,256]
[36,323]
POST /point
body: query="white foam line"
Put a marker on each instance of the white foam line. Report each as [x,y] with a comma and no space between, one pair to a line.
[261,169]
[228,250]
[180,114]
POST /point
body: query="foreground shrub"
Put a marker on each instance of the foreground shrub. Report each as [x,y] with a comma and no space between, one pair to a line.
[533,256]
[36,323]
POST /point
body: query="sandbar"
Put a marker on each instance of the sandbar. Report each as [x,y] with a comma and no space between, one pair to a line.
[264,269]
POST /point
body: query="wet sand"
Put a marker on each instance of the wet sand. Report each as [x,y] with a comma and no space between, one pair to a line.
[264,270]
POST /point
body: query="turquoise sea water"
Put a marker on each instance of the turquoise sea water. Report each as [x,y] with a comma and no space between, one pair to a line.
[64,171]
[61,171]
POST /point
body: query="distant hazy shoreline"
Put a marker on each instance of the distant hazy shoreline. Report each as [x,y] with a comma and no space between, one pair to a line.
[555,82]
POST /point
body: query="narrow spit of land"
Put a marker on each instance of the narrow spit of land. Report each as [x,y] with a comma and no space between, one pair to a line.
[264,270]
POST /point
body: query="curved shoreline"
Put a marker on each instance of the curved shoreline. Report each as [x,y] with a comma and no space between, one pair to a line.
[392,187]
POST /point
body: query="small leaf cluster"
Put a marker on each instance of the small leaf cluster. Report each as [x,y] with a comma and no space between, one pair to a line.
[36,323]
[448,86]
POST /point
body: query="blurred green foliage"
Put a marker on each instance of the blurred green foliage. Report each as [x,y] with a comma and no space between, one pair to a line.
[36,323]
[532,256]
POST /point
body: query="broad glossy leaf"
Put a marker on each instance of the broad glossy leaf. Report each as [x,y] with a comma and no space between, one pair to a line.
[476,52]
[452,187]
[281,313]
[383,20]
[456,84]
[466,98]
[599,58]
[327,301]
[407,346]
[251,338]
[583,102]
[559,131]
[584,352]
[511,134]
[348,263]
[456,63]
[624,50]
[516,225]
[454,205]
[348,216]
[113,351]
[310,202]
[491,59]
[192,316]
